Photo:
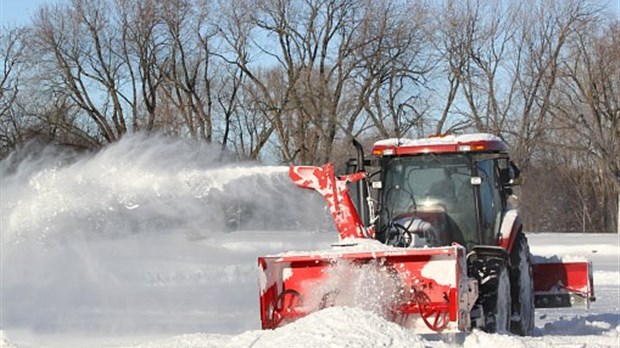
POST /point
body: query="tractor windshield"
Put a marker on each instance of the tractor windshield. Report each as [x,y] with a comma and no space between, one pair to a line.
[433,190]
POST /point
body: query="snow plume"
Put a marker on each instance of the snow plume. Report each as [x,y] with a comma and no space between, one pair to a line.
[127,239]
[147,185]
[372,287]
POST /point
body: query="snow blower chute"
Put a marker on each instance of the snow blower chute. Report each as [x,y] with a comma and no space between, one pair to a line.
[436,246]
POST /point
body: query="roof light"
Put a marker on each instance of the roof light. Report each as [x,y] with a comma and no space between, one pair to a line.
[388,152]
[473,147]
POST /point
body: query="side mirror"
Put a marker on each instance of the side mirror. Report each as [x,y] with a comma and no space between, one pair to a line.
[515,175]
[504,171]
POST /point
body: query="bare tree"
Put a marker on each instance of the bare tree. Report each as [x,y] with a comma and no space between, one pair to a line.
[395,63]
[12,60]
[251,130]
[591,96]
[77,50]
[142,46]
[474,39]
[540,46]
[269,94]
[587,115]
[333,61]
[189,80]
[501,63]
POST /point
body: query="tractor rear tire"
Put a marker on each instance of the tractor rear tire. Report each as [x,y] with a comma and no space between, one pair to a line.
[522,288]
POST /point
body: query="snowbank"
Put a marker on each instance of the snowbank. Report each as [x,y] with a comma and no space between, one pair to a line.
[4,341]
[606,278]
[332,327]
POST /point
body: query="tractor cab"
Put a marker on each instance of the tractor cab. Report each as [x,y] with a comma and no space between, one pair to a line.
[442,190]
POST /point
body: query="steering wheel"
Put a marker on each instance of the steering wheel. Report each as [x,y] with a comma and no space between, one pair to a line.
[404,236]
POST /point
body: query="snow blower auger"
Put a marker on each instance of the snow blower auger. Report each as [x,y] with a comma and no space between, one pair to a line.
[432,242]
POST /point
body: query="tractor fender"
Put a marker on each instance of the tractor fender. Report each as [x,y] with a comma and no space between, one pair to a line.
[511,227]
[481,252]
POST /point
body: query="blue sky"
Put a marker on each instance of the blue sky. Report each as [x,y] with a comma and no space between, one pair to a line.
[19,11]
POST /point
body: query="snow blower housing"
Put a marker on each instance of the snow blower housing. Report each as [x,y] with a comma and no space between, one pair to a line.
[432,243]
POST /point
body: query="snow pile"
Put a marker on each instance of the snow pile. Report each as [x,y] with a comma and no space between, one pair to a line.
[482,339]
[348,245]
[558,259]
[4,341]
[570,252]
[606,278]
[448,139]
[331,327]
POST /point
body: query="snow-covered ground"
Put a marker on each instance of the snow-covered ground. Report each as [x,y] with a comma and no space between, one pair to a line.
[138,247]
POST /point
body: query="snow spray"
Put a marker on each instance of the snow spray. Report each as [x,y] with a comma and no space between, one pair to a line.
[125,240]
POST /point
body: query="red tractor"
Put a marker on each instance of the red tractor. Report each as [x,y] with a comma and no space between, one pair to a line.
[432,242]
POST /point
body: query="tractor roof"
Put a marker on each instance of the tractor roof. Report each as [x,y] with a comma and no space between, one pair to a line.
[478,142]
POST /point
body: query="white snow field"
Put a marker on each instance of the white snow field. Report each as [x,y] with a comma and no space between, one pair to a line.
[153,243]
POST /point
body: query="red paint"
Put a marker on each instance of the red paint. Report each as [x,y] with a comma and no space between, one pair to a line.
[336,193]
[308,275]
[563,277]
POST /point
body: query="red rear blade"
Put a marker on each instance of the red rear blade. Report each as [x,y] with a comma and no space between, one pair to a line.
[563,284]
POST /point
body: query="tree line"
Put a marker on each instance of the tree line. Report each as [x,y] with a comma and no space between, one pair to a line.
[293,81]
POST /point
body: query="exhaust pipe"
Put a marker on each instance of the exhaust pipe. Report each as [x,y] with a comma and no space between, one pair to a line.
[362,187]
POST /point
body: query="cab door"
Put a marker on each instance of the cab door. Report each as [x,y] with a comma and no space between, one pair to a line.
[491,205]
